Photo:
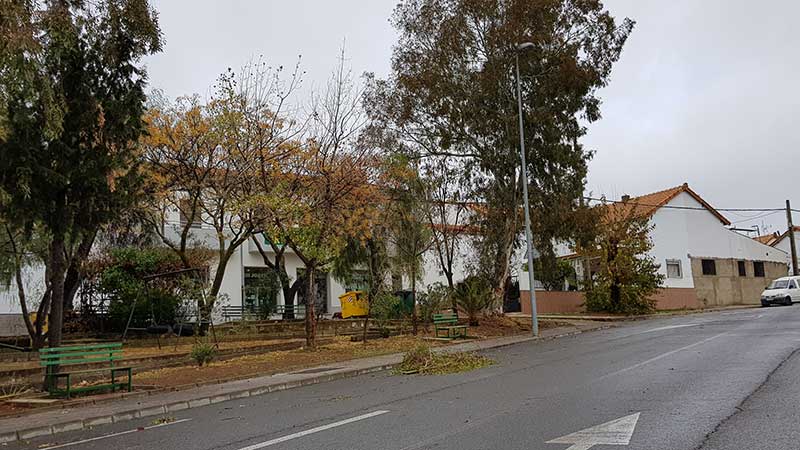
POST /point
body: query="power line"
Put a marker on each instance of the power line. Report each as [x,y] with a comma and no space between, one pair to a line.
[692,208]
[758,216]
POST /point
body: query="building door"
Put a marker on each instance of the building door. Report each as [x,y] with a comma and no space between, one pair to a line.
[321,285]
[260,291]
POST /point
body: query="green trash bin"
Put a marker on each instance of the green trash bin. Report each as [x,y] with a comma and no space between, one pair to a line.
[406,305]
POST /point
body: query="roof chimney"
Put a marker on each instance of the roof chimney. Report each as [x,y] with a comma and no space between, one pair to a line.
[625,198]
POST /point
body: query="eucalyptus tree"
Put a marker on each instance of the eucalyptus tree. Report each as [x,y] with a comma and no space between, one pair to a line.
[452,94]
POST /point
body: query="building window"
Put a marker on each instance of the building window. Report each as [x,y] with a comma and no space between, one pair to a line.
[758,269]
[260,290]
[742,269]
[674,268]
[709,267]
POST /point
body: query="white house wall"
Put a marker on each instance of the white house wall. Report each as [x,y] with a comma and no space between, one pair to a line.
[709,238]
[432,271]
[680,234]
[671,234]
[33,277]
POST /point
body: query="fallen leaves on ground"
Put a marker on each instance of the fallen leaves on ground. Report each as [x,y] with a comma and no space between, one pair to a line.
[423,360]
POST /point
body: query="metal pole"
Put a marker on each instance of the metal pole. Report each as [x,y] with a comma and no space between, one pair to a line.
[524,176]
[793,245]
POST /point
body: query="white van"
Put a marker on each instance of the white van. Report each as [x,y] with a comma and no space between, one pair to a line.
[783,291]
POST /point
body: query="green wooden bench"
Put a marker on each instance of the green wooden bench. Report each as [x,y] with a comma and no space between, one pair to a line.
[447,323]
[50,358]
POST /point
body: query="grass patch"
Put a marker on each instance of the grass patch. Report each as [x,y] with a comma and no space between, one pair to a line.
[423,361]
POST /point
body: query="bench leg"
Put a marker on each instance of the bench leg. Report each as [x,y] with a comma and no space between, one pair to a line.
[130,380]
[113,381]
[69,384]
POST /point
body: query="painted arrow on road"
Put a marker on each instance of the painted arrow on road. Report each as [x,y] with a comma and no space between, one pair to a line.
[616,432]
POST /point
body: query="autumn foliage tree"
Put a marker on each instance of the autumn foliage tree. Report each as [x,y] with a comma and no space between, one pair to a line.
[336,172]
[203,161]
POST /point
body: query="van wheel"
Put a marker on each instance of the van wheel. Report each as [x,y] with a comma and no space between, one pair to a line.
[788,301]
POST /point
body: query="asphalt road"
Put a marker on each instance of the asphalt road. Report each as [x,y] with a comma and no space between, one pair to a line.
[727,380]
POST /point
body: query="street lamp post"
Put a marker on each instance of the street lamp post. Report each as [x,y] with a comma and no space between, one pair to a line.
[524,175]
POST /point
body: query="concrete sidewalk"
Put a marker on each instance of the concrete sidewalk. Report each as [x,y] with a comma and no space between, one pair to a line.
[623,318]
[42,423]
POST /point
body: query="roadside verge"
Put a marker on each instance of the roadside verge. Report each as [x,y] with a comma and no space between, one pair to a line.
[87,416]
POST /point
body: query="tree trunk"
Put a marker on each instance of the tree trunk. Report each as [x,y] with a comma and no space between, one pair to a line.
[288,288]
[587,274]
[57,270]
[366,322]
[414,325]
[206,307]
[311,300]
[72,279]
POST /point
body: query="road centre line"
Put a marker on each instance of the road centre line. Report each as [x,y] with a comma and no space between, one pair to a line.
[314,430]
[663,355]
[121,433]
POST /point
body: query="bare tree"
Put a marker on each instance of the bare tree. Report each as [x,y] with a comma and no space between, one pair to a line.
[336,174]
[447,213]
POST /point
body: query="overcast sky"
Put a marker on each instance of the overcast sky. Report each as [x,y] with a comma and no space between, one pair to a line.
[705,91]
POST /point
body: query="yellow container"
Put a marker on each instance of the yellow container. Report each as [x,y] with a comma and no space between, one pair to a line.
[354,304]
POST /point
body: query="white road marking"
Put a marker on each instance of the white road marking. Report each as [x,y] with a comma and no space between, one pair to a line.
[663,355]
[616,432]
[314,430]
[121,433]
[670,327]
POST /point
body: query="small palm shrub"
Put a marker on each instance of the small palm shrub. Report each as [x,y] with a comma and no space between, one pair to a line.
[473,296]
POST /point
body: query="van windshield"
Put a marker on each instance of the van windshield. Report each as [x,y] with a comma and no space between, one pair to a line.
[779,284]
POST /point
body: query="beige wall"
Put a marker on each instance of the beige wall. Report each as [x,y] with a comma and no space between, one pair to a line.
[677,298]
[553,302]
[727,287]
[558,302]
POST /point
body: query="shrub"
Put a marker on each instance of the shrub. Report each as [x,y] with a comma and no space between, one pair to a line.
[627,277]
[385,307]
[203,353]
[473,296]
[125,276]
[437,298]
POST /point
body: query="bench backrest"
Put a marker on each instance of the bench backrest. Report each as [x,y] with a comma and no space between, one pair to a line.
[81,354]
[445,318]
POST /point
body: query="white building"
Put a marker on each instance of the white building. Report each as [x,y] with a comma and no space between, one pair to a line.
[245,271]
[704,262]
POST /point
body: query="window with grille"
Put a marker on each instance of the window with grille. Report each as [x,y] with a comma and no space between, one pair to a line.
[758,269]
[742,269]
[674,268]
[709,267]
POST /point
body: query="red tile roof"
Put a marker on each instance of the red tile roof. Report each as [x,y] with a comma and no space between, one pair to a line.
[781,237]
[767,238]
[647,205]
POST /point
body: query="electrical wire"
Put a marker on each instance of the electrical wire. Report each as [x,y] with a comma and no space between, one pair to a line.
[694,208]
[758,216]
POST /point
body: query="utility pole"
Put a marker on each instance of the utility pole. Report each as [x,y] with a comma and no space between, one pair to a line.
[793,245]
[524,175]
